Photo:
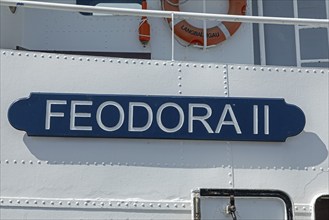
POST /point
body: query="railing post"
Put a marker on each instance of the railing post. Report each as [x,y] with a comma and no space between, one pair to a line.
[204,27]
[261,34]
[172,37]
[297,37]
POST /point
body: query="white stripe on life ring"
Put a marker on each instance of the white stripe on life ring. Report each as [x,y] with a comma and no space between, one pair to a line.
[223,28]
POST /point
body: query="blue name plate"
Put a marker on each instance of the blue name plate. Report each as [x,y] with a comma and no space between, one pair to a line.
[156,117]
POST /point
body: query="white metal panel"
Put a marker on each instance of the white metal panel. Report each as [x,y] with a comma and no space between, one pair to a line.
[302,159]
[11,28]
[157,172]
[96,169]
[304,87]
[72,31]
[44,72]
[69,31]
[88,214]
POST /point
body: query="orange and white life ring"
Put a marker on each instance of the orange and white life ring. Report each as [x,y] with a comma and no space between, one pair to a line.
[215,35]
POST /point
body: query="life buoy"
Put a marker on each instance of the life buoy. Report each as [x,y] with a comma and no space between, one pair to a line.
[215,35]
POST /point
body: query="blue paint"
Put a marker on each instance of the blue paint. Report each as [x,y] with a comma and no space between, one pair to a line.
[30,115]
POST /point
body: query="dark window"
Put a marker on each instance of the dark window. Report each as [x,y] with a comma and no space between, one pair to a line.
[322,208]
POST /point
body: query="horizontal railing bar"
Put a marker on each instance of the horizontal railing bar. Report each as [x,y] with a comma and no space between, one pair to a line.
[309,27]
[314,61]
[166,14]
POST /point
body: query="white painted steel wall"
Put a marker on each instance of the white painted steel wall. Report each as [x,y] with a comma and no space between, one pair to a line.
[152,179]
[37,29]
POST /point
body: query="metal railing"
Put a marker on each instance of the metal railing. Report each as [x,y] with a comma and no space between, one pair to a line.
[167,14]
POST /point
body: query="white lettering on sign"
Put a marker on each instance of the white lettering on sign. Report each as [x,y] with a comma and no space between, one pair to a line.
[75,115]
[202,118]
[266,119]
[234,122]
[50,114]
[99,116]
[159,117]
[255,119]
[147,122]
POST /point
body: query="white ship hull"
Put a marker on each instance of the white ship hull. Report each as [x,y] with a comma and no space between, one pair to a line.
[60,177]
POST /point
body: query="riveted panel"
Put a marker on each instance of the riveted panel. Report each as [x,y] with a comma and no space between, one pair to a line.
[302,158]
[96,170]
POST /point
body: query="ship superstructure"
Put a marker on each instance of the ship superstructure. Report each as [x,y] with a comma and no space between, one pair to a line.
[128,110]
